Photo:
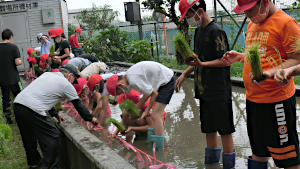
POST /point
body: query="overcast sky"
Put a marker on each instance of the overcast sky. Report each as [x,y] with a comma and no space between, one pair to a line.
[115,4]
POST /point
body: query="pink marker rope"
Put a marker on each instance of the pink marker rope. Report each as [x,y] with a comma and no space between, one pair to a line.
[138,157]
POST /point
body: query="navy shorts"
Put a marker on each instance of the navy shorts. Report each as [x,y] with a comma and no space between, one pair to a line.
[165,92]
[272,130]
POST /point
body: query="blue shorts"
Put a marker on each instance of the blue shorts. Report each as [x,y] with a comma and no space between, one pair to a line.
[165,92]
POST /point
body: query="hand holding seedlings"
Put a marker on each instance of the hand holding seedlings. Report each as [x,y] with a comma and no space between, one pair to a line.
[95,121]
[283,76]
[231,57]
[183,48]
[196,61]
[253,58]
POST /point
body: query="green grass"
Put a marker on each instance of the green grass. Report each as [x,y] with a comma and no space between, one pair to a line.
[14,155]
[171,63]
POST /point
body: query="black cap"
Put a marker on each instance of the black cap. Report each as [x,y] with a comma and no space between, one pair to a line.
[72,69]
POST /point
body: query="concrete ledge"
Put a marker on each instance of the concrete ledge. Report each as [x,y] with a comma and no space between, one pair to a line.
[81,149]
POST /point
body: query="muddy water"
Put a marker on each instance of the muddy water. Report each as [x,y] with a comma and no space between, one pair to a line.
[184,142]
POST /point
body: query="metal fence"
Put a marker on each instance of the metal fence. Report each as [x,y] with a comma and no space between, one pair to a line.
[154,31]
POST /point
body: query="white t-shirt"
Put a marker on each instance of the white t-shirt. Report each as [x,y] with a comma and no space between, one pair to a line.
[148,75]
[45,92]
[107,76]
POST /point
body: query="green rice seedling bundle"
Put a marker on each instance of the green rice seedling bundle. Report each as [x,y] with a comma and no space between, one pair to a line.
[52,50]
[120,126]
[130,108]
[183,48]
[253,57]
[111,99]
[34,54]
[58,106]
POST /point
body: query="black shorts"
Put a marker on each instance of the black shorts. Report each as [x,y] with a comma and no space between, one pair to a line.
[165,92]
[216,116]
[272,131]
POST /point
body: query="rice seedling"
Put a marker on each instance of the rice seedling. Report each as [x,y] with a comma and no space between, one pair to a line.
[111,99]
[34,54]
[130,108]
[52,50]
[120,126]
[58,106]
[183,47]
[253,57]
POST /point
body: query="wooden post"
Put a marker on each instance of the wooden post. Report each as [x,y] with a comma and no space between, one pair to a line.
[165,33]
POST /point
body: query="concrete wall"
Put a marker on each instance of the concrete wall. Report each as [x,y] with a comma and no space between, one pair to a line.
[80,149]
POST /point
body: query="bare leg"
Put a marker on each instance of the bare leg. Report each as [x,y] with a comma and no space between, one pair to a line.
[157,117]
[227,143]
[212,140]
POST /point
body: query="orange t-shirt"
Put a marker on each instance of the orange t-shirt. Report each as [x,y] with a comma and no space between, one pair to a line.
[281,31]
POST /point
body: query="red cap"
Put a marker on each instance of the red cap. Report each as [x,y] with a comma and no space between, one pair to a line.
[81,85]
[50,32]
[33,61]
[55,70]
[43,59]
[184,6]
[111,84]
[65,62]
[78,30]
[244,5]
[133,96]
[93,80]
[29,51]
[57,32]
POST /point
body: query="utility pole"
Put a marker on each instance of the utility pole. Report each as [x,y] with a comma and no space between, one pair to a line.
[140,26]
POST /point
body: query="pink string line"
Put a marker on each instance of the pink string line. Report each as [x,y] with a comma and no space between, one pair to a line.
[29,75]
[148,159]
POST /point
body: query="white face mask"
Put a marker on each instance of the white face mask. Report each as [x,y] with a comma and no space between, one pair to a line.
[258,18]
[192,21]
[58,40]
[126,91]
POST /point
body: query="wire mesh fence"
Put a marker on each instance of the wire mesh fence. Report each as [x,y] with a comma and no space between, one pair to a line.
[162,40]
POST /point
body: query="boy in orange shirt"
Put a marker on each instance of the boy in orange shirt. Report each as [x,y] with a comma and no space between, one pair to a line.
[271,109]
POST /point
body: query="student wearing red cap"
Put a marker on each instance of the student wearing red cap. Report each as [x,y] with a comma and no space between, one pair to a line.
[31,60]
[64,47]
[9,79]
[271,109]
[153,80]
[212,81]
[82,90]
[96,84]
[50,32]
[73,41]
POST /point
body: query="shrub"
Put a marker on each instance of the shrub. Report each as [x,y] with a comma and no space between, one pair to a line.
[138,50]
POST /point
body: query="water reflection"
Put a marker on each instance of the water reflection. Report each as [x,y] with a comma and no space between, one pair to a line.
[184,141]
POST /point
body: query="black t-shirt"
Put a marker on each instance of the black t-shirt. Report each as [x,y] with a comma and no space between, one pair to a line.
[57,46]
[62,47]
[8,69]
[211,83]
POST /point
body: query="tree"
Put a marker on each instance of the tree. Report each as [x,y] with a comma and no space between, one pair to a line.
[158,6]
[97,18]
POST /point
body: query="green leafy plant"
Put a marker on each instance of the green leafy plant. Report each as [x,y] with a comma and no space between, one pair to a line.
[253,57]
[130,108]
[34,54]
[183,47]
[138,50]
[111,99]
[52,50]
[71,29]
[5,133]
[58,106]
[120,126]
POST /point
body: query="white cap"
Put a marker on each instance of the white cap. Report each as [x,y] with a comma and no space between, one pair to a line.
[39,35]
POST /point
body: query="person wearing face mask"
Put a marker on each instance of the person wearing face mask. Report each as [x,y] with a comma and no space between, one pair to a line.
[96,84]
[212,81]
[44,39]
[9,79]
[271,109]
[73,41]
[153,80]
[30,108]
[64,47]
